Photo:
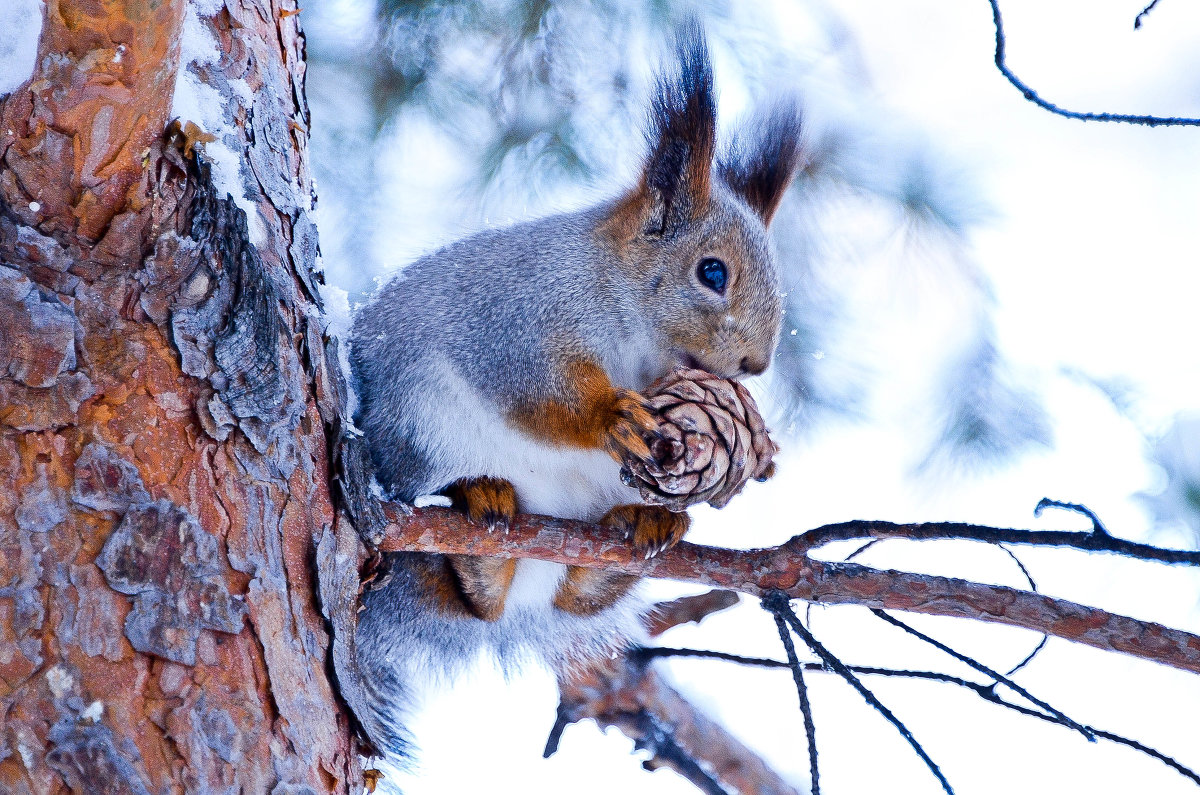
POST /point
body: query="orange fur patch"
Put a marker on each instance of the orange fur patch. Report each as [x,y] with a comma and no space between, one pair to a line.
[490,501]
[484,583]
[439,585]
[597,415]
[627,220]
[585,592]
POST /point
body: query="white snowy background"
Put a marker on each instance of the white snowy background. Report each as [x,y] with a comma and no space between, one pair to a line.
[1069,248]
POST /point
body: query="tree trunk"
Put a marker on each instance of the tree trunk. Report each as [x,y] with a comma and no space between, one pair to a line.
[167,398]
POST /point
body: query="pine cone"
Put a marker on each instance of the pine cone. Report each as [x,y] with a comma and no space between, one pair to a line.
[711,441]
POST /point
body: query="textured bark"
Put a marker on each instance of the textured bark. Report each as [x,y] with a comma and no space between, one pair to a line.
[783,568]
[623,692]
[636,700]
[165,399]
[74,141]
[686,610]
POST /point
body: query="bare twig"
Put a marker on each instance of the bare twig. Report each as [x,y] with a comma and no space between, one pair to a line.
[625,693]
[928,531]
[687,609]
[778,604]
[1033,587]
[788,568]
[1032,96]
[810,728]
[647,653]
[1137,21]
[986,692]
[1098,527]
[1029,657]
[998,677]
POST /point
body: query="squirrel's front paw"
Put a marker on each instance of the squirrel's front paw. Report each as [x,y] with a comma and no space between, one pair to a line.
[490,501]
[630,423]
[650,528]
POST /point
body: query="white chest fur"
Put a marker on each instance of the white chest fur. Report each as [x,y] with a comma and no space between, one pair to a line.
[470,438]
[567,482]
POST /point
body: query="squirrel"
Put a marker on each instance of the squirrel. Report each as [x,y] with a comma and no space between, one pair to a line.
[503,371]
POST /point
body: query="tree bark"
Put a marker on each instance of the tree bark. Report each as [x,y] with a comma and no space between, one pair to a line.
[166,400]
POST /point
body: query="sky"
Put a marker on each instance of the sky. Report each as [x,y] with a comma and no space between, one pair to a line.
[1089,243]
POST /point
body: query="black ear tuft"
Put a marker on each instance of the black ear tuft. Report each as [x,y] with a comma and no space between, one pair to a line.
[764,157]
[682,134]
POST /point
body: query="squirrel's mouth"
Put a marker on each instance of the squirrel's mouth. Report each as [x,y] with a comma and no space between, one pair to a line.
[689,361]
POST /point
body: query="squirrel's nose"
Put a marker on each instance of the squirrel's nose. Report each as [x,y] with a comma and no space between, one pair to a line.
[753,366]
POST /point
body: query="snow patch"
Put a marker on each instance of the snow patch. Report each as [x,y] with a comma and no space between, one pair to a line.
[205,106]
[20,29]
[207,8]
[338,323]
[94,712]
[60,681]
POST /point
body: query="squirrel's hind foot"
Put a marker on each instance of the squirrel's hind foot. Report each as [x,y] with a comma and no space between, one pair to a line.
[490,501]
[650,528]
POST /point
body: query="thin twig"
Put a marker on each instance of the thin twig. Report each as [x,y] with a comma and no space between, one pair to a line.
[643,654]
[687,609]
[777,602]
[986,692]
[862,529]
[1029,658]
[810,727]
[983,669]
[1137,21]
[1032,96]
[1033,587]
[1075,507]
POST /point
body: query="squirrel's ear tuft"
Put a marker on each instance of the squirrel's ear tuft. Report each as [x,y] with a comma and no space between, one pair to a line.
[764,157]
[676,180]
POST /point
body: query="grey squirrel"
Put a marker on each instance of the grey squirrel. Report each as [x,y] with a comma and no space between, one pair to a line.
[503,371]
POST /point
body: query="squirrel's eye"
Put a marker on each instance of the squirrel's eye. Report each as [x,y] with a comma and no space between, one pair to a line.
[711,273]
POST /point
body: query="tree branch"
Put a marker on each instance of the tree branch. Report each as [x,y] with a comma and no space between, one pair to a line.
[1145,12]
[928,531]
[623,692]
[788,568]
[687,609]
[1035,98]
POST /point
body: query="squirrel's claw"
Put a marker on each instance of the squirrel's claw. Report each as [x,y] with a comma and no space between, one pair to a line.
[650,529]
[494,521]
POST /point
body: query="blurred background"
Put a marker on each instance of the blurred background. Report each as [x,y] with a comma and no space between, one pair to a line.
[986,304]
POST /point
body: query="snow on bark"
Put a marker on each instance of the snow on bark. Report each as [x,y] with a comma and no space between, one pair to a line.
[20,27]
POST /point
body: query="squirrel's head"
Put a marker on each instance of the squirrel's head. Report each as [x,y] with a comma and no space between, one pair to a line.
[693,233]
